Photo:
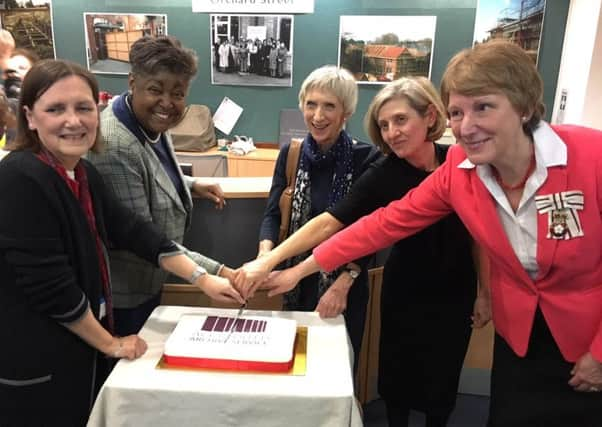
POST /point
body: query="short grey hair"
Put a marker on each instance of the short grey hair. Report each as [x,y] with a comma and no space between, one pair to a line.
[335,79]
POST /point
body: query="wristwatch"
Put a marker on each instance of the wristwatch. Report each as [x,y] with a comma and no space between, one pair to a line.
[353,270]
[198,272]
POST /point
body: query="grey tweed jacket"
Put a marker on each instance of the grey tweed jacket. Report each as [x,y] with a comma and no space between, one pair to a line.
[135,174]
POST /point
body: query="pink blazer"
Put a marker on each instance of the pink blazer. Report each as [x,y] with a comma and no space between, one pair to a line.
[569,284]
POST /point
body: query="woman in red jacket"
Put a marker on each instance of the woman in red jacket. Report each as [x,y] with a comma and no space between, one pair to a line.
[436,266]
[531,196]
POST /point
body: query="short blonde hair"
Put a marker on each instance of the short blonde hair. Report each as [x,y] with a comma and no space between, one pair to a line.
[419,93]
[337,80]
[501,67]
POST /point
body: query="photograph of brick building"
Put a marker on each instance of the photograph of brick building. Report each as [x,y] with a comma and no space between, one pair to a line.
[380,49]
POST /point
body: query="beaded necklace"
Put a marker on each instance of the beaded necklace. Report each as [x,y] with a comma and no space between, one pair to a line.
[522,182]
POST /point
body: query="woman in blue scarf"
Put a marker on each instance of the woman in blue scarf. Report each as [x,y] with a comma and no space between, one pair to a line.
[330,161]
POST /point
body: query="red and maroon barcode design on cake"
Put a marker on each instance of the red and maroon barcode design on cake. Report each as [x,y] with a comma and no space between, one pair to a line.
[220,342]
[225,324]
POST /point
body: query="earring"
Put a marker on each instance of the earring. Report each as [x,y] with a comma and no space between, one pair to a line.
[524,119]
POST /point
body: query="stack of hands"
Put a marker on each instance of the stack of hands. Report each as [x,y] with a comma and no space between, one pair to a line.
[237,286]
[240,285]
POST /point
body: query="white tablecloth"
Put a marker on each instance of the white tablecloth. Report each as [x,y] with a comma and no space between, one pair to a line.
[138,394]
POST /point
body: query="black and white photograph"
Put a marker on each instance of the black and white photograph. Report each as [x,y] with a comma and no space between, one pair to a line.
[519,21]
[380,49]
[109,37]
[252,50]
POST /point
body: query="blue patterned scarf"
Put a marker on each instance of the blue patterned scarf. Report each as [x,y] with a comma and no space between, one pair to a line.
[340,158]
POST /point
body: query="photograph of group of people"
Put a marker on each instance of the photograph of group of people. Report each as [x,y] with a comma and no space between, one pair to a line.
[252,50]
[265,58]
[245,49]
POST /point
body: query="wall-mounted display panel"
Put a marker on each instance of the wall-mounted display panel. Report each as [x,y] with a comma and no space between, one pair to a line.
[316,43]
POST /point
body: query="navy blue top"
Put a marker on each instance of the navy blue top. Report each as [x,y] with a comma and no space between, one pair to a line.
[321,183]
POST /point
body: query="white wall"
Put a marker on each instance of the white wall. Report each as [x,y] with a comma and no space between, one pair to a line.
[581,66]
[592,114]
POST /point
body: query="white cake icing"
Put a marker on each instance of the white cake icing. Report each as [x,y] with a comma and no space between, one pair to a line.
[251,338]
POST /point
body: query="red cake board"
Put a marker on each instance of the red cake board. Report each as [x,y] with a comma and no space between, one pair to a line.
[232,365]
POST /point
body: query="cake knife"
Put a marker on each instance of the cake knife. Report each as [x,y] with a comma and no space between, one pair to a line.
[238,314]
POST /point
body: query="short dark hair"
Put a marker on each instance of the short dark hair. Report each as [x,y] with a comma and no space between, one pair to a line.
[150,55]
[37,81]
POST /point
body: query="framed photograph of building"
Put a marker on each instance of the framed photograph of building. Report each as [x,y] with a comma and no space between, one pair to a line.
[30,23]
[380,49]
[109,37]
[519,21]
[252,50]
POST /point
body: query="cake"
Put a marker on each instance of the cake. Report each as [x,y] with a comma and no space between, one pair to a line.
[249,343]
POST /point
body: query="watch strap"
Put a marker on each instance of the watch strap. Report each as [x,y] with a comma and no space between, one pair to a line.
[198,272]
[353,270]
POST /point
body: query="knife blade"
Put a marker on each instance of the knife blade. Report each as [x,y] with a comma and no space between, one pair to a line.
[238,315]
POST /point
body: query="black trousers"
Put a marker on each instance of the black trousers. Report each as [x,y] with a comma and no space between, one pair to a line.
[533,391]
[129,321]
[398,415]
[355,313]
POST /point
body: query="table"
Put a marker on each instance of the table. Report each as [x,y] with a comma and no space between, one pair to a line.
[138,394]
[260,162]
[241,187]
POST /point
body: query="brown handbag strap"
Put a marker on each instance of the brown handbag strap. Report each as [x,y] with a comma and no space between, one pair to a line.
[292,160]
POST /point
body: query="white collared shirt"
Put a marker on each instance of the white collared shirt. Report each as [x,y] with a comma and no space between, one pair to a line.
[521,226]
